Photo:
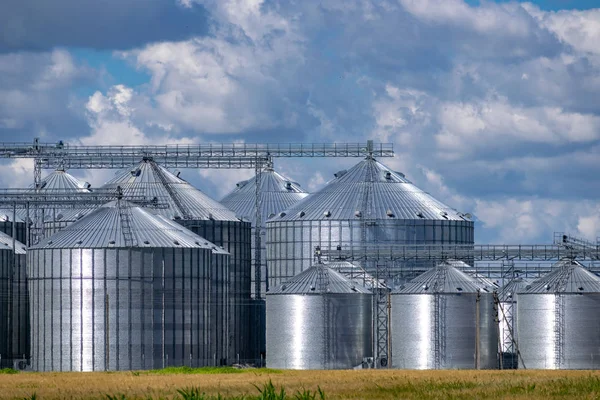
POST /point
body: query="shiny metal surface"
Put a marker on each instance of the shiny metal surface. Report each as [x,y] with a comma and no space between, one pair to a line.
[356,274]
[143,179]
[212,221]
[443,319]
[103,228]
[6,225]
[507,318]
[558,320]
[277,193]
[318,320]
[55,220]
[368,204]
[97,307]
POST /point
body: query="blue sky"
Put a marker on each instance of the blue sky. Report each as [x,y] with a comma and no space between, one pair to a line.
[493,107]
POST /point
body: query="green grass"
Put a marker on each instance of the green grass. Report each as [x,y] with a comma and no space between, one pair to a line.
[8,371]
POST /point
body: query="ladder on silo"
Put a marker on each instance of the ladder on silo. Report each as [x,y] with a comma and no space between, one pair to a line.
[322,288]
[174,195]
[125,220]
[559,317]
[508,339]
[439,321]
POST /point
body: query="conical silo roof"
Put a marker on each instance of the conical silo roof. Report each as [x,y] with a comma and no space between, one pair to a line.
[185,201]
[469,270]
[318,279]
[6,242]
[444,278]
[116,224]
[369,190]
[62,180]
[277,193]
[567,276]
[355,273]
[508,291]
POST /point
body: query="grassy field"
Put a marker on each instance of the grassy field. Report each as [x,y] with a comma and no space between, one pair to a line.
[366,384]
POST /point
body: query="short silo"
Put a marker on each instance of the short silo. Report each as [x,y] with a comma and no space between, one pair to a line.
[319,319]
[559,323]
[206,217]
[443,319]
[14,261]
[122,289]
[507,320]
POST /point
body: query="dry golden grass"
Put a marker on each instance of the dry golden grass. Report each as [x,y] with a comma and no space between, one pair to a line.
[365,384]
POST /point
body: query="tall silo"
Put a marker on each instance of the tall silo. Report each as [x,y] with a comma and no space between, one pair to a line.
[276,193]
[7,217]
[443,319]
[507,320]
[319,319]
[14,303]
[122,289]
[559,323]
[204,216]
[61,182]
[368,204]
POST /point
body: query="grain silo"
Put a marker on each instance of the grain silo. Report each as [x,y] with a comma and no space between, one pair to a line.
[204,216]
[61,182]
[507,320]
[7,217]
[122,289]
[355,273]
[559,323]
[14,303]
[368,204]
[276,193]
[443,319]
[318,320]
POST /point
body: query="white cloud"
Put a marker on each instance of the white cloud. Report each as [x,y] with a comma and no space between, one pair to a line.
[580,29]
[524,220]
[505,19]
[467,127]
[225,83]
[35,88]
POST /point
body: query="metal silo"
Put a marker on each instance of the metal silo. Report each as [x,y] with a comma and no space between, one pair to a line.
[319,319]
[122,289]
[14,307]
[204,216]
[368,204]
[443,319]
[7,216]
[355,273]
[61,181]
[276,193]
[507,320]
[559,323]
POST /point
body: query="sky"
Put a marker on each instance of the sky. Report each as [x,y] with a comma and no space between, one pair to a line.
[492,107]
